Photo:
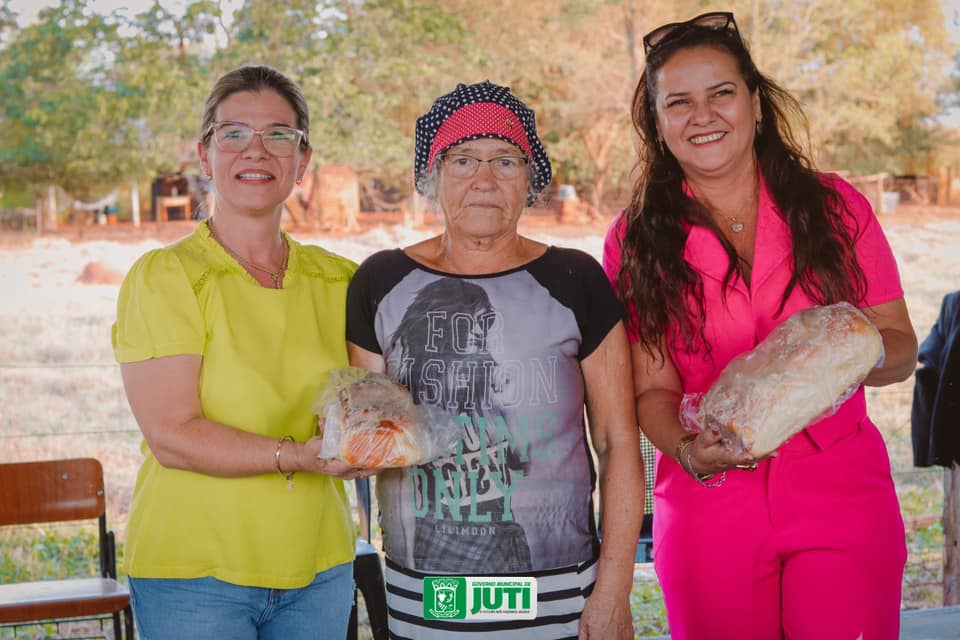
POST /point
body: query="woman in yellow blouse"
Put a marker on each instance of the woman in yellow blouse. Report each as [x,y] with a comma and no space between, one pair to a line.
[237,528]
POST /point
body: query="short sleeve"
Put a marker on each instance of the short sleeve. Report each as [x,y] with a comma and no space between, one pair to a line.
[377,275]
[874,254]
[612,249]
[577,281]
[157,311]
[613,263]
[603,309]
[360,313]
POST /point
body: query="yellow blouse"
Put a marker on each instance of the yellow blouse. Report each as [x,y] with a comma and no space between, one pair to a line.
[265,353]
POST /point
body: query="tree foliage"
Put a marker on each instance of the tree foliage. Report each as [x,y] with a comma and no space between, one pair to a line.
[89,100]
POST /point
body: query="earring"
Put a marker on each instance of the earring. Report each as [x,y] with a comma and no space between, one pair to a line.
[660,145]
[759,127]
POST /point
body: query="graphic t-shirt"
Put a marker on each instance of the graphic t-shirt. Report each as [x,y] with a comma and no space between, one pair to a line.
[501,353]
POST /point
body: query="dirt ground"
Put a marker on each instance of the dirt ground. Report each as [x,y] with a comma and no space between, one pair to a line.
[531,224]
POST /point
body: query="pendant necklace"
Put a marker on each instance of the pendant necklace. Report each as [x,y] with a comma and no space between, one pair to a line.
[735,225]
[276,276]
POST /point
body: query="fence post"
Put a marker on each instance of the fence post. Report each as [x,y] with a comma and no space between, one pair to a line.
[135,204]
[951,531]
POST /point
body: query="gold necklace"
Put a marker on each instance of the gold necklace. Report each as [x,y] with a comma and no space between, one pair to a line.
[276,276]
[735,225]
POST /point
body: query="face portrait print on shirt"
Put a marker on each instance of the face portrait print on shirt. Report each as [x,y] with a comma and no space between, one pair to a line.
[442,348]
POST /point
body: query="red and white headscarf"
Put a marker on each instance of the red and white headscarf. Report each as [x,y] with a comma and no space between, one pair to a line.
[483,110]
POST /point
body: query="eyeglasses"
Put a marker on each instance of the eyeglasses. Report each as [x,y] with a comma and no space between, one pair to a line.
[235,137]
[716,20]
[460,165]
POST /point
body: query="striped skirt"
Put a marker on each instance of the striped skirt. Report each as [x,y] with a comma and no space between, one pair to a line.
[561,594]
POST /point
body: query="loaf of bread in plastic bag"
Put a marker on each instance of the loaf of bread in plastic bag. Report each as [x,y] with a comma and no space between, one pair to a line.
[803,371]
[370,421]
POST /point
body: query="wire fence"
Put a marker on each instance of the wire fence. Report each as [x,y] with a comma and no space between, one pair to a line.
[70,409]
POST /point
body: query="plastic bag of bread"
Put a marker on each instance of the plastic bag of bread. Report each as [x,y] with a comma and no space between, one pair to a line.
[802,372]
[369,421]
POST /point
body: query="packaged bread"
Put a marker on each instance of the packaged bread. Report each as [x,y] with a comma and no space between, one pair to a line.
[370,421]
[803,371]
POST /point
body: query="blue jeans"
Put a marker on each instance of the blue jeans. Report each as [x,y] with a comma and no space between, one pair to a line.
[210,609]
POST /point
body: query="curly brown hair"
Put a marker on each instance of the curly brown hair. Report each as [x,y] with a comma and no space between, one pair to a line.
[657,281]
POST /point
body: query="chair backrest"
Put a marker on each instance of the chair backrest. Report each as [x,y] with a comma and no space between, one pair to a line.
[51,491]
[62,491]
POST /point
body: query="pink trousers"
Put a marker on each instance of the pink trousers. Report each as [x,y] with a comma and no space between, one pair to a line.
[810,546]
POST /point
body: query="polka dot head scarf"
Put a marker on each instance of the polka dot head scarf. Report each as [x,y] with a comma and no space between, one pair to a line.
[483,110]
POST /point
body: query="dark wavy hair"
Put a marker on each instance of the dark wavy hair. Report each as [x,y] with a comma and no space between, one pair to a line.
[656,280]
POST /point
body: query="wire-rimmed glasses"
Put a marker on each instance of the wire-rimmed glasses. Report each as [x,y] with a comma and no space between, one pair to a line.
[461,165]
[235,137]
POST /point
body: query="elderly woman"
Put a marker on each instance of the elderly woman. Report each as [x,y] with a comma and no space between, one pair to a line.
[512,337]
[730,232]
[237,529]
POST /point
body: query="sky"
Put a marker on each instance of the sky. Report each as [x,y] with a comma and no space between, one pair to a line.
[27,10]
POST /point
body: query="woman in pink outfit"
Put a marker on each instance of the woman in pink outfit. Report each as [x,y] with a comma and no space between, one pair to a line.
[730,232]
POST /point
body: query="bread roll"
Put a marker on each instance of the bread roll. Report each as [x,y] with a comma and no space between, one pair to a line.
[803,370]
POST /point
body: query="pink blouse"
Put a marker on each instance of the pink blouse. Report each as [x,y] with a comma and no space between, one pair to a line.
[746,316]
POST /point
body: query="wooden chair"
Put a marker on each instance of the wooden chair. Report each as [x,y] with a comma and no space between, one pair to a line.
[61,491]
[368,573]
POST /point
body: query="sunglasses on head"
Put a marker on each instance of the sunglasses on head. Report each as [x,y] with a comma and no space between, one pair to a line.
[716,20]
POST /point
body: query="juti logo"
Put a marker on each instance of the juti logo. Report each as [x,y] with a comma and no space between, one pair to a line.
[469,598]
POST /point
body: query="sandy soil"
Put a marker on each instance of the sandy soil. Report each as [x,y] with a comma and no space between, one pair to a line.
[60,393]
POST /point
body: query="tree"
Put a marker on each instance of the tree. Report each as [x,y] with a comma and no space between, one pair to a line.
[162,72]
[866,71]
[89,100]
[58,122]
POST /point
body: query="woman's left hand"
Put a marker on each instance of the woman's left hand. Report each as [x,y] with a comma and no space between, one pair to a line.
[606,617]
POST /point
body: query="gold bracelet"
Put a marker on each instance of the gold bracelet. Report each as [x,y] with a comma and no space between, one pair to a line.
[276,456]
[687,465]
[682,444]
[715,481]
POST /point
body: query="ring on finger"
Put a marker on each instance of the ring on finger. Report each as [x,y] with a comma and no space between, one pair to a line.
[748,467]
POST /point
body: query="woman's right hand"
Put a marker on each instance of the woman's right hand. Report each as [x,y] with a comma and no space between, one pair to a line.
[308,459]
[708,455]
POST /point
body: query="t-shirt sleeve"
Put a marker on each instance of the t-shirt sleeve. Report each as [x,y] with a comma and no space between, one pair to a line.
[375,277]
[612,252]
[157,311]
[874,254]
[361,312]
[589,295]
[603,310]
[613,263]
